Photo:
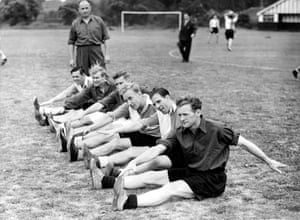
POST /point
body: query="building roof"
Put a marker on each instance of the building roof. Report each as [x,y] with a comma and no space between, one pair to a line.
[283,7]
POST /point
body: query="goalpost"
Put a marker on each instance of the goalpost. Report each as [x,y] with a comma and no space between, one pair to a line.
[123,13]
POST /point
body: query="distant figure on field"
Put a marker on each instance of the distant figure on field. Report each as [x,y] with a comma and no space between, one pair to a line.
[2,56]
[186,34]
[87,35]
[296,72]
[230,20]
[214,26]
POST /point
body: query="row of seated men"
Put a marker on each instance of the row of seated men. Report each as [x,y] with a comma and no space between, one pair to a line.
[113,123]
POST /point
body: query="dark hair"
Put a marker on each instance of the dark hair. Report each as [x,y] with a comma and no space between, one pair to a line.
[193,101]
[161,91]
[75,69]
[120,74]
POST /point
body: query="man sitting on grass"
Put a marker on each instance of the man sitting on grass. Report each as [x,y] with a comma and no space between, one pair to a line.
[102,86]
[138,106]
[80,82]
[205,146]
[93,114]
[166,117]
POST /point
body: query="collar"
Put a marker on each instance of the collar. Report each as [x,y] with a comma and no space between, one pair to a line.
[202,126]
[148,102]
[90,19]
[173,109]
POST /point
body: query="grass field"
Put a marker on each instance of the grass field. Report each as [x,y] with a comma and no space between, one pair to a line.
[251,88]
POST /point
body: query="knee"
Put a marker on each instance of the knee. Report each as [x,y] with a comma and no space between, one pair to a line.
[160,163]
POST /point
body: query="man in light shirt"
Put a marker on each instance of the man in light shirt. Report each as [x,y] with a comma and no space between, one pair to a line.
[214,26]
[230,21]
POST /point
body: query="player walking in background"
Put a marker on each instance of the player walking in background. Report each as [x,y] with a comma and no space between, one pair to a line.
[87,35]
[214,26]
[186,34]
[230,20]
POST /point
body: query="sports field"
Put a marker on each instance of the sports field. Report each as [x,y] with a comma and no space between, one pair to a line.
[250,88]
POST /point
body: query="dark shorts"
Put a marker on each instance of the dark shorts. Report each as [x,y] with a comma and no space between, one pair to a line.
[214,30]
[204,184]
[176,157]
[140,139]
[229,34]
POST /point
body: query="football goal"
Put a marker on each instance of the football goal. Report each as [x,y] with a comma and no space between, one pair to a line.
[124,13]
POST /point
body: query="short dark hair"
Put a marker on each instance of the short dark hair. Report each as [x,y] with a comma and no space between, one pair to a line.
[120,74]
[161,91]
[193,101]
[77,68]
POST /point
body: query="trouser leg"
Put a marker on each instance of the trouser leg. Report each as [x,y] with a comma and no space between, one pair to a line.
[96,56]
[82,58]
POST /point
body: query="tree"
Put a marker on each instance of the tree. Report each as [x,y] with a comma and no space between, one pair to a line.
[68,12]
[20,11]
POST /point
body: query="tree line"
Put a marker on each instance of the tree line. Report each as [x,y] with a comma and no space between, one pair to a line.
[27,11]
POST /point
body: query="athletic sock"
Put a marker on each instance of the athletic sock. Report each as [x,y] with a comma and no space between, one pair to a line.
[98,164]
[108,182]
[103,161]
[131,202]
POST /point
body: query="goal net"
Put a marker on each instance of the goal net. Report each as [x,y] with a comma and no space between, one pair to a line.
[143,17]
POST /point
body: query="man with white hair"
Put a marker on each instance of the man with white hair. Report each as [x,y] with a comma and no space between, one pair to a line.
[87,35]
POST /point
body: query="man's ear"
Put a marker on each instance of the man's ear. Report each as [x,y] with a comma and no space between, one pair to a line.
[198,112]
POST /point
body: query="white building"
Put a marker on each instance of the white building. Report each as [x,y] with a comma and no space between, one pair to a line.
[281,15]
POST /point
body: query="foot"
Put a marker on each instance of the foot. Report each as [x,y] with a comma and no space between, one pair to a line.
[111,170]
[87,156]
[36,107]
[96,175]
[73,150]
[62,141]
[295,74]
[51,123]
[3,61]
[120,194]
[229,49]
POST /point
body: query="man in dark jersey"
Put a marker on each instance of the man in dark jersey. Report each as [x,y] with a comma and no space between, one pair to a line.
[186,34]
[205,146]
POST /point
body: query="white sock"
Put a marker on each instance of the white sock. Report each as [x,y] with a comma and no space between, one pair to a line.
[103,161]
[80,154]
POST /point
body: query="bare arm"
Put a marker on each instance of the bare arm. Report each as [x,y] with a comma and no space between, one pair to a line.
[148,155]
[72,52]
[106,52]
[256,151]
[96,107]
[61,96]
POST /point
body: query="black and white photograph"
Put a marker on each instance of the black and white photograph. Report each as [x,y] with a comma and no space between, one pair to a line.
[139,109]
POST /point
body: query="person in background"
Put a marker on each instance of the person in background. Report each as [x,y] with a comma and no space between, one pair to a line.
[230,21]
[186,34]
[214,26]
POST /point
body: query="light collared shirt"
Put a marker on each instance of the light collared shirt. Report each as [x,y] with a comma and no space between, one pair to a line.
[88,81]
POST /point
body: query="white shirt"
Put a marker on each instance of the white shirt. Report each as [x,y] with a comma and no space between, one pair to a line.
[230,23]
[214,23]
[165,124]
